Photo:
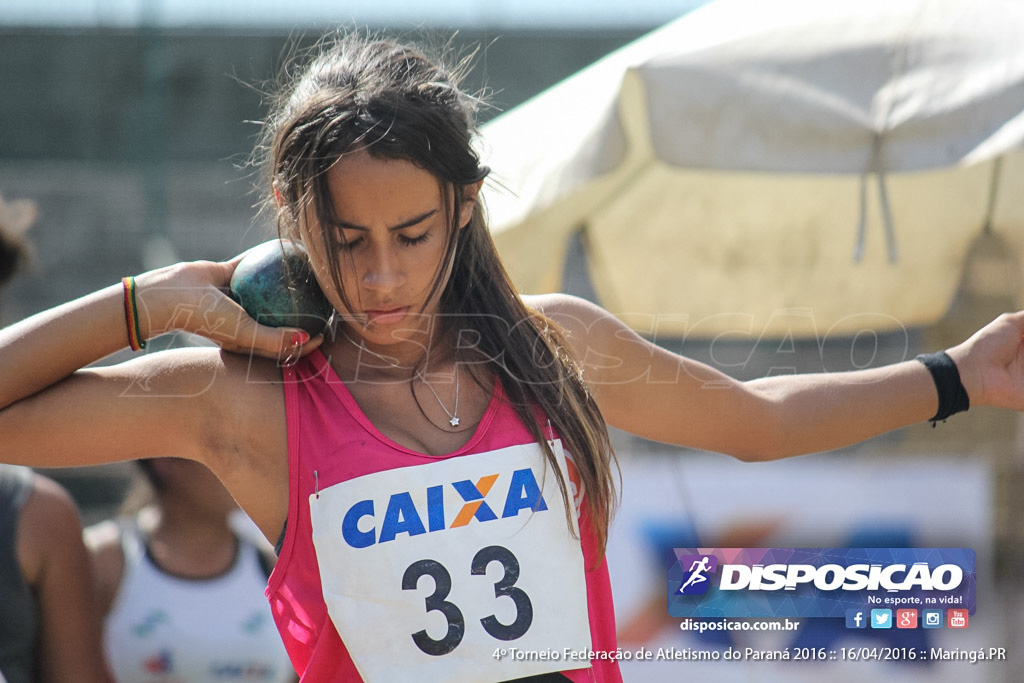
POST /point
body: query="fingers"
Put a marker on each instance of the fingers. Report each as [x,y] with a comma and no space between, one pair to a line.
[285,344]
[194,298]
[301,344]
[991,363]
[236,259]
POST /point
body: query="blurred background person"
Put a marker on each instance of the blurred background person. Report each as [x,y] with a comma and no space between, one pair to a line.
[181,583]
[16,217]
[49,624]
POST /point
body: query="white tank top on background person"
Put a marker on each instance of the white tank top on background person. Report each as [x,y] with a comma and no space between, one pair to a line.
[167,629]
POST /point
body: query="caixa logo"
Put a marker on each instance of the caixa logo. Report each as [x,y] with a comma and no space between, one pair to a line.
[698,568]
[403,516]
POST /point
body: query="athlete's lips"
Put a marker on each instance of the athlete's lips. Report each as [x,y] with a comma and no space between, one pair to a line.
[384,316]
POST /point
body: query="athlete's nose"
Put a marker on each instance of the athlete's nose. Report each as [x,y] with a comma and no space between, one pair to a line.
[384,271]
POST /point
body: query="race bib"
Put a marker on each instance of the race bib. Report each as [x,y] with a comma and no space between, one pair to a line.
[461,570]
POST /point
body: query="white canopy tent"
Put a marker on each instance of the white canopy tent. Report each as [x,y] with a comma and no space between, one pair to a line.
[793,167]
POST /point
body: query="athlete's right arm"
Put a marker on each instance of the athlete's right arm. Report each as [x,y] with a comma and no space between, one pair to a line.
[54,411]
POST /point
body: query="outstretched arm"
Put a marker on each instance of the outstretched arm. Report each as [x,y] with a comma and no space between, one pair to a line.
[659,395]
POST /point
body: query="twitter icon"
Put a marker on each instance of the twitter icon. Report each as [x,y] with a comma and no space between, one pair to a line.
[881,618]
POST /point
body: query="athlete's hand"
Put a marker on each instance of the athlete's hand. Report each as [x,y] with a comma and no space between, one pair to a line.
[193,297]
[991,363]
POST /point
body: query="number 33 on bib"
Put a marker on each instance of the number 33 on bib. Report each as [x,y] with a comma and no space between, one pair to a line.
[427,570]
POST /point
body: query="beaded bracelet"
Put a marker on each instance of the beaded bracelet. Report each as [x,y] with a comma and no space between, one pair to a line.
[952,395]
[131,315]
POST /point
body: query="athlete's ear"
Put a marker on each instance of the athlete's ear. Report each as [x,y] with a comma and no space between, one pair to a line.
[470,196]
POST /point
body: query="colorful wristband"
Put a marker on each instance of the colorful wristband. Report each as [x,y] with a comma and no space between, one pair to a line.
[131,315]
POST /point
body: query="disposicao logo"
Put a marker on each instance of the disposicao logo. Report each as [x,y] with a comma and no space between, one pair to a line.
[402,516]
[830,577]
[763,582]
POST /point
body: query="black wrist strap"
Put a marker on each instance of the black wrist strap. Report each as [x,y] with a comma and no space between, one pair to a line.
[952,395]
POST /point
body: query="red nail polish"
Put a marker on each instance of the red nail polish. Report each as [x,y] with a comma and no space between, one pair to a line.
[299,338]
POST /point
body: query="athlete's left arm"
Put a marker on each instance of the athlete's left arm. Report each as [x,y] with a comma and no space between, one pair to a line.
[659,395]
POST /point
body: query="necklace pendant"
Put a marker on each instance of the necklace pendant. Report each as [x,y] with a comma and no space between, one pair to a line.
[454,422]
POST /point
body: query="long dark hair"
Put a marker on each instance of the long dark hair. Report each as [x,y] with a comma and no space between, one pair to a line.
[396,103]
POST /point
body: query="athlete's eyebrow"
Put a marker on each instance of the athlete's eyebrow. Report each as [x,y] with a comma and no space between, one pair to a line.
[345,225]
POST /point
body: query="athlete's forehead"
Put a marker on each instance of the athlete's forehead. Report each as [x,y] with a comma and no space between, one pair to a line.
[369,192]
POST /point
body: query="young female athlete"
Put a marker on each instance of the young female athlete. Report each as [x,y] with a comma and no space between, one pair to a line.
[436,465]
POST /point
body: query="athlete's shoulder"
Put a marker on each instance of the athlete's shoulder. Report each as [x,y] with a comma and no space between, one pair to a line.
[579,318]
[566,308]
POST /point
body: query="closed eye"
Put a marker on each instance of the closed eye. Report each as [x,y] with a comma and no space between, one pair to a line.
[413,241]
[349,245]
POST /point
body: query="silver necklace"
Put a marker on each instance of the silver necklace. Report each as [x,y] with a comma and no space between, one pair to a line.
[453,415]
[393,362]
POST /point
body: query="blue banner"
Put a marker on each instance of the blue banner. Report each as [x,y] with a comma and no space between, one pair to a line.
[819,582]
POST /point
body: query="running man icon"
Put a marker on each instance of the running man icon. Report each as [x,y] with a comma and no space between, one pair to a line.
[700,566]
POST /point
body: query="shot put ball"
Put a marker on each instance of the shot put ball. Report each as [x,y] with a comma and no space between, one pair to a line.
[275,285]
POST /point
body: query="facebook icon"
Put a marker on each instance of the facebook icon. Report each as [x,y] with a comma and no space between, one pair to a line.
[855,618]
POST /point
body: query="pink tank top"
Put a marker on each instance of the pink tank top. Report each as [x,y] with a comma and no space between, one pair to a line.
[328,434]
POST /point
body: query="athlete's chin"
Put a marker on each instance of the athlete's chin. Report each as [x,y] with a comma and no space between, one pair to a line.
[410,329]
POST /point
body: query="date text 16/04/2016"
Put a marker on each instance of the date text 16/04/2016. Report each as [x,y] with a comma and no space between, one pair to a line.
[934,654]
